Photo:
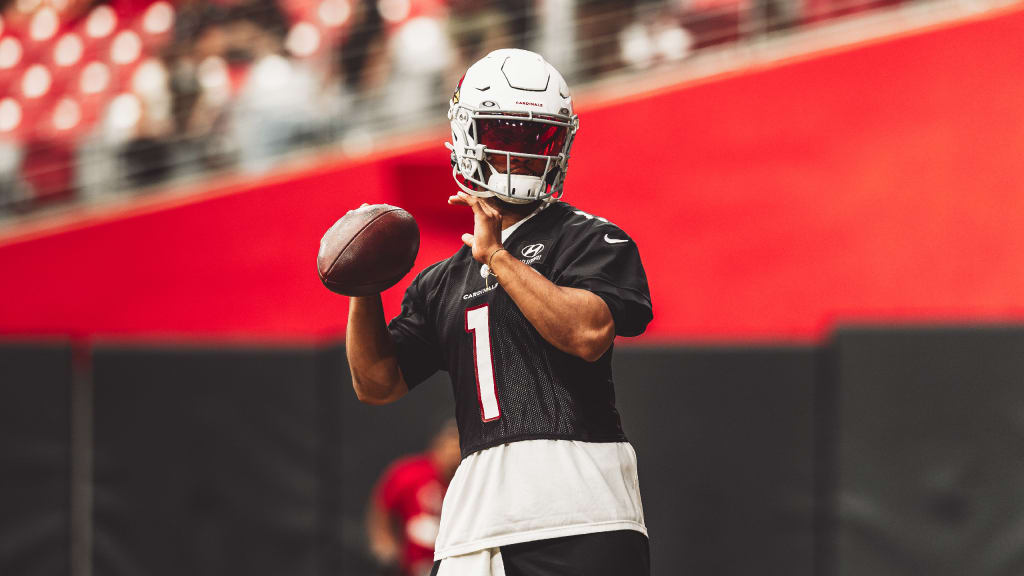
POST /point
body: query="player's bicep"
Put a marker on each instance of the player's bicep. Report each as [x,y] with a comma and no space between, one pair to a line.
[631,311]
[613,272]
[417,358]
[413,334]
[593,309]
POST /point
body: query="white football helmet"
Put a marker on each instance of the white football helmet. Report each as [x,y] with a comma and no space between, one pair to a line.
[511,104]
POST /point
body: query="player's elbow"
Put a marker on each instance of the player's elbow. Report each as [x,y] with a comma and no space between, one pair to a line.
[592,344]
[375,401]
[377,392]
[593,353]
[375,397]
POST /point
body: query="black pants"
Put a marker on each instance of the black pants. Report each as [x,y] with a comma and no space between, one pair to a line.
[619,553]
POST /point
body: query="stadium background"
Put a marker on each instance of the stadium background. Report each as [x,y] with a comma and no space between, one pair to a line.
[827,195]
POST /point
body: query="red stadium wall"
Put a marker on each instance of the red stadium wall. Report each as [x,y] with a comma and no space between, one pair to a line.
[878,183]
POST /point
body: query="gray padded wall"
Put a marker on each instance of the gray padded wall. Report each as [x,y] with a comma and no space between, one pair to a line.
[35,488]
[211,462]
[725,439]
[931,452]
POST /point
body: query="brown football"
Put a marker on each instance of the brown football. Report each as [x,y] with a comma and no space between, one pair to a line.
[369,250]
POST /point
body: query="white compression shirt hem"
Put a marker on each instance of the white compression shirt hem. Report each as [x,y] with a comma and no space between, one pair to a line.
[539,489]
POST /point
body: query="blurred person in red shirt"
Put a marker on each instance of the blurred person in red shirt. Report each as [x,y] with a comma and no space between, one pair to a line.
[404,511]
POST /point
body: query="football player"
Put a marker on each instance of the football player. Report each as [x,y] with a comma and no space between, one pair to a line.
[523,318]
[404,512]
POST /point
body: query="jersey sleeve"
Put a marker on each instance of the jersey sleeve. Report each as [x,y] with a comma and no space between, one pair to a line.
[606,261]
[415,337]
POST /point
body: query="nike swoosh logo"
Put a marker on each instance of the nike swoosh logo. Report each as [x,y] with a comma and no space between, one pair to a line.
[615,240]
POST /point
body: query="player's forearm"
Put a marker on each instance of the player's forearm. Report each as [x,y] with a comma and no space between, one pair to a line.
[383,543]
[575,321]
[376,377]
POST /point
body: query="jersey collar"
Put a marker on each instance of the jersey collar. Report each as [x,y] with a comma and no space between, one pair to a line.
[508,231]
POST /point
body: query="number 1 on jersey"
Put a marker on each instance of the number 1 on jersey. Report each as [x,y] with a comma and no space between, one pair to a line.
[487,390]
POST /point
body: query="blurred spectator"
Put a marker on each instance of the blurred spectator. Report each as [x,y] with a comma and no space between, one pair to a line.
[47,169]
[272,106]
[11,189]
[598,22]
[404,512]
[362,48]
[477,28]
[655,36]
[148,156]
[420,55]
[147,161]
[199,84]
[780,14]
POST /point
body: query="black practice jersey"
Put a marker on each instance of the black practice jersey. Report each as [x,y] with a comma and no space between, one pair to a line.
[509,383]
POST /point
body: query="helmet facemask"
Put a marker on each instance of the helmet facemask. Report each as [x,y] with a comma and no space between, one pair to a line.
[480,137]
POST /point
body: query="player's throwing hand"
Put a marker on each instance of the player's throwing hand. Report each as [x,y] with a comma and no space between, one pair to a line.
[486,236]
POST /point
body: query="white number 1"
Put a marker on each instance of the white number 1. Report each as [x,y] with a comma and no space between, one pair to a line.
[487,390]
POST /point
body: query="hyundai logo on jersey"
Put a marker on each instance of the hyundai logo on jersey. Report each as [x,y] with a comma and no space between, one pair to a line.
[533,250]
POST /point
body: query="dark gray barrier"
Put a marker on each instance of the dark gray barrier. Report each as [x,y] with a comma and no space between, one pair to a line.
[216,461]
[931,452]
[260,460]
[35,385]
[725,441]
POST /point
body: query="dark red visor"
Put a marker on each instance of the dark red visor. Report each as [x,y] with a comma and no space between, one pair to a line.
[521,135]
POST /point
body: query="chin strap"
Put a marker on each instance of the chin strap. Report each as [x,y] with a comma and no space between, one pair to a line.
[507,186]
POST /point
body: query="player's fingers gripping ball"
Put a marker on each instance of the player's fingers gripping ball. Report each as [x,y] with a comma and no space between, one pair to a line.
[368,250]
